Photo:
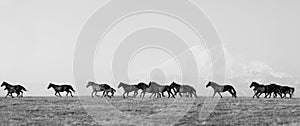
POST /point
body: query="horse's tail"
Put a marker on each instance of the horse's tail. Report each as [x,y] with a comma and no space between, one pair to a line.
[72,88]
[195,93]
[194,90]
[233,90]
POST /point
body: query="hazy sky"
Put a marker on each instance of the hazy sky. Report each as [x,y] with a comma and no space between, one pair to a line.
[38,38]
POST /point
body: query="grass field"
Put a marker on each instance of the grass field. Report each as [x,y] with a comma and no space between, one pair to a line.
[119,111]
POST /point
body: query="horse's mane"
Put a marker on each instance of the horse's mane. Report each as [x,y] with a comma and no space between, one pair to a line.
[174,83]
[155,83]
[214,83]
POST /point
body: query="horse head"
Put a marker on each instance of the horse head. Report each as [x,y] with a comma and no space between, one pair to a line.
[208,84]
[4,83]
[120,84]
[89,84]
[150,83]
[253,84]
[113,90]
[50,85]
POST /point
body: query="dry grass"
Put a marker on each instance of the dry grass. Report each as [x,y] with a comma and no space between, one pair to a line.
[119,111]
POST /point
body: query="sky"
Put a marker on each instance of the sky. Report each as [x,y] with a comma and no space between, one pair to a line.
[38,38]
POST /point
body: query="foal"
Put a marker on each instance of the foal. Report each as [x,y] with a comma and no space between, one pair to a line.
[221,88]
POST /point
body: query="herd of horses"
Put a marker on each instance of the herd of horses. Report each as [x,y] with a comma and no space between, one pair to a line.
[158,90]
[154,88]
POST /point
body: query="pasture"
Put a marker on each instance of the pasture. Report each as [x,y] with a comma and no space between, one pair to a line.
[158,111]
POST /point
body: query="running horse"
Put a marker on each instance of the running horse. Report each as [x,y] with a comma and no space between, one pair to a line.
[100,87]
[129,88]
[61,88]
[260,89]
[175,87]
[18,89]
[168,89]
[187,89]
[156,88]
[287,90]
[146,88]
[221,88]
[111,90]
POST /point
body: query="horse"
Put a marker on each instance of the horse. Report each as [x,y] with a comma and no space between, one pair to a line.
[128,88]
[146,88]
[221,88]
[167,89]
[111,90]
[61,88]
[18,89]
[287,90]
[187,89]
[98,88]
[175,87]
[260,89]
[157,88]
[275,89]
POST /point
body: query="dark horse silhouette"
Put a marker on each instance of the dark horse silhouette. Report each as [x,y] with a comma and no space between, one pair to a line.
[260,89]
[287,90]
[175,87]
[61,88]
[18,89]
[185,89]
[221,88]
[167,89]
[146,88]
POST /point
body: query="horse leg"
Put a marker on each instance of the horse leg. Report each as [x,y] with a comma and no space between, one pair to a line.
[67,93]
[92,94]
[21,93]
[180,94]
[59,94]
[135,94]
[214,94]
[284,95]
[7,94]
[163,94]
[71,94]
[266,95]
[124,94]
[11,95]
[159,95]
[141,94]
[172,94]
[195,94]
[97,94]
[55,94]
[168,94]
[259,95]
[103,94]
[144,94]
[174,91]
[220,94]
